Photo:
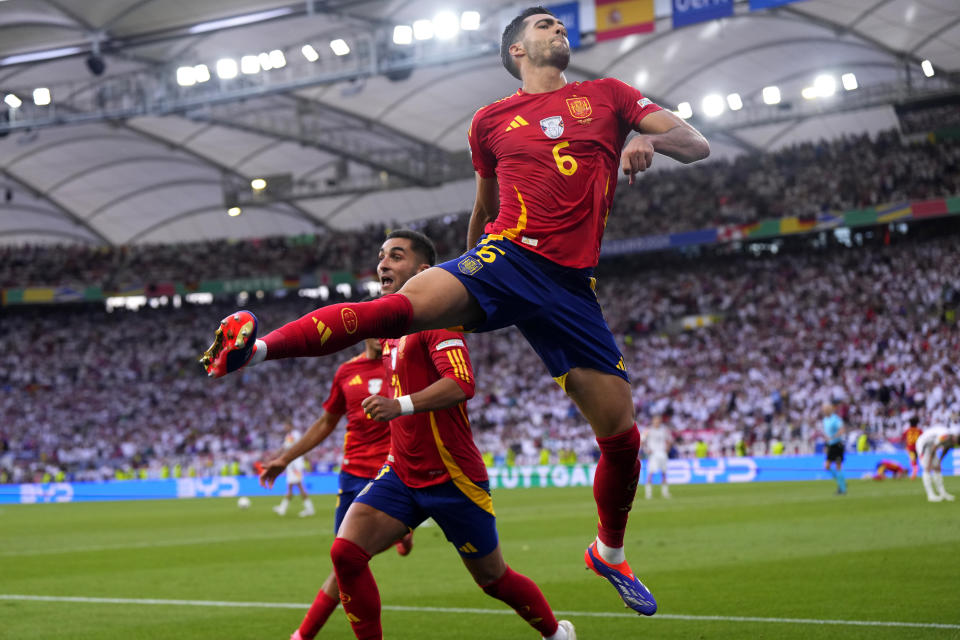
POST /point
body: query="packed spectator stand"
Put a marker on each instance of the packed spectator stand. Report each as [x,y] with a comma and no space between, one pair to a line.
[871,327]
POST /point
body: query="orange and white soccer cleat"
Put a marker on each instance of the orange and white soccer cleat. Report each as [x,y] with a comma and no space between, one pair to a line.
[234,344]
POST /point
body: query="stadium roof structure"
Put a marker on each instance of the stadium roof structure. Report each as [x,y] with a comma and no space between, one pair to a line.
[135,146]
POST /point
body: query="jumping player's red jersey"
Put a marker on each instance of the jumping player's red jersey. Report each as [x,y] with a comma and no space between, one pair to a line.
[437,446]
[910,437]
[367,443]
[556,157]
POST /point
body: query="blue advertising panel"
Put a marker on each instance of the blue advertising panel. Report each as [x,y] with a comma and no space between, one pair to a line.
[569,14]
[686,12]
[679,471]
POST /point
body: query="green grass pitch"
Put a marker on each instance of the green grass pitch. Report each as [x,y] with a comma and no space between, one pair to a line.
[793,553]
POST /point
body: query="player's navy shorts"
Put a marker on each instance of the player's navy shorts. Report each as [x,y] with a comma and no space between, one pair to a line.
[350,486]
[835,452]
[555,307]
[471,529]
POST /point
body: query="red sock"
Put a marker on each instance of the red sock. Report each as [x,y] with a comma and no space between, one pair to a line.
[358,589]
[317,616]
[615,484]
[330,329]
[524,596]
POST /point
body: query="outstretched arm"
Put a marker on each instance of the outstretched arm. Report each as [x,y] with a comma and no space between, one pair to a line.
[485,209]
[316,434]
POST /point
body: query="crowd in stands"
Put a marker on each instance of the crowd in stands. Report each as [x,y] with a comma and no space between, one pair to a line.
[804,180]
[872,329]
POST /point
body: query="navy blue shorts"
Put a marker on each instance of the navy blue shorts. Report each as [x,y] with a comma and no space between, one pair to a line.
[555,307]
[471,527]
[350,486]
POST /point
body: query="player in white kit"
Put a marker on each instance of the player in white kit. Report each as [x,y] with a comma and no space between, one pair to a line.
[294,477]
[931,441]
[656,443]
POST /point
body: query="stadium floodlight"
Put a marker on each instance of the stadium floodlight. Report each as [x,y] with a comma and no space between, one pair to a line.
[423,29]
[258,184]
[771,95]
[927,68]
[735,102]
[226,68]
[201,73]
[470,20]
[402,34]
[712,105]
[849,81]
[809,93]
[12,101]
[446,25]
[277,59]
[249,65]
[309,53]
[41,96]
[340,47]
[233,212]
[684,110]
[825,84]
[265,62]
[186,76]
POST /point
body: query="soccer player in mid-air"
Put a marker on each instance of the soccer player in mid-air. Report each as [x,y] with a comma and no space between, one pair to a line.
[295,468]
[547,160]
[833,433]
[365,448]
[936,440]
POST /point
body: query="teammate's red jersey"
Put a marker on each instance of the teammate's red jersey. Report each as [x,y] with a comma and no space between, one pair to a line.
[367,443]
[436,446]
[910,437]
[556,157]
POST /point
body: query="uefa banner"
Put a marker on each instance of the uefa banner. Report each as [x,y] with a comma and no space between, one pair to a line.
[679,471]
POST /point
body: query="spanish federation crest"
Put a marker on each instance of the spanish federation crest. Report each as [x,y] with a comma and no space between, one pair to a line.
[469,265]
[374,385]
[579,107]
[552,126]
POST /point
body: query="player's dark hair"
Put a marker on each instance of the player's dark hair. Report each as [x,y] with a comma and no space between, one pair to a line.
[511,34]
[914,421]
[421,244]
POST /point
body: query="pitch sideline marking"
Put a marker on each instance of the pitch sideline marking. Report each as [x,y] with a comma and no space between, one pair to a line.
[581,614]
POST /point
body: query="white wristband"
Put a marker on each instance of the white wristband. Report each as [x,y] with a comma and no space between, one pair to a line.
[406,405]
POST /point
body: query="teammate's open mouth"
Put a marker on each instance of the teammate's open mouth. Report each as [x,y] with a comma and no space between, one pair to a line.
[385,281]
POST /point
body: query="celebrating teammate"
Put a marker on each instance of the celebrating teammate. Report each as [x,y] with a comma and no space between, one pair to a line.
[434,469]
[365,447]
[934,440]
[546,160]
[295,466]
[656,443]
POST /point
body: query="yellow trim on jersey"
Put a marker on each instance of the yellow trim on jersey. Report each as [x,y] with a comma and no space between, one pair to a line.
[479,497]
[521,221]
[459,364]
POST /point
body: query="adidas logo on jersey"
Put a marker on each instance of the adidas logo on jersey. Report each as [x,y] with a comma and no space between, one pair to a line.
[355,380]
[517,122]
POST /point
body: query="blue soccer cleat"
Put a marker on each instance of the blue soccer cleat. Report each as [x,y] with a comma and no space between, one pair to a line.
[233,345]
[635,595]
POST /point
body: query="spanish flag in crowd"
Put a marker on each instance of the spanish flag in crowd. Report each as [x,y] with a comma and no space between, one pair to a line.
[618,18]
